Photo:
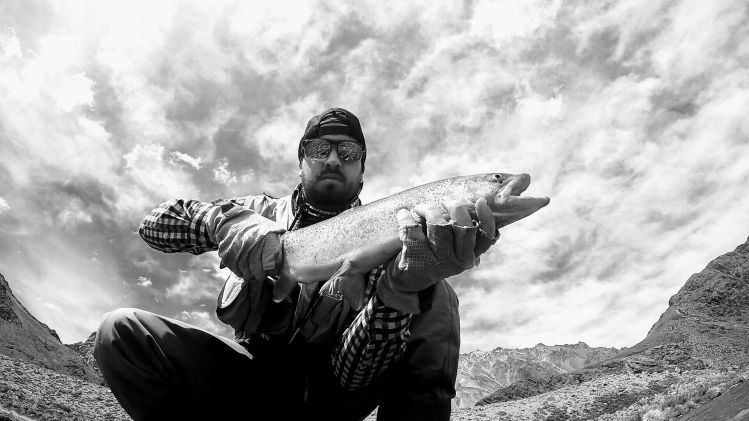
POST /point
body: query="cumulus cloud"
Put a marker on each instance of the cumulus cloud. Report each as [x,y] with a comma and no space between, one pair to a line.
[177,156]
[198,284]
[144,281]
[10,47]
[223,174]
[75,90]
[188,289]
[150,173]
[630,120]
[73,213]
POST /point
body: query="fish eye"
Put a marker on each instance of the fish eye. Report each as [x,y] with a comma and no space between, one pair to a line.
[498,177]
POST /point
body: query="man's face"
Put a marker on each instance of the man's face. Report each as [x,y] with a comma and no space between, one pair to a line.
[331,182]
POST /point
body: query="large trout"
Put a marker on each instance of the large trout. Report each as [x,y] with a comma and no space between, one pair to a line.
[360,239]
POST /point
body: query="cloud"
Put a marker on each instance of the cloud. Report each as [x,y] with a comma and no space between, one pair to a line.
[275,138]
[188,289]
[223,174]
[198,284]
[4,206]
[10,47]
[203,320]
[144,281]
[47,126]
[189,160]
[145,166]
[74,91]
[73,215]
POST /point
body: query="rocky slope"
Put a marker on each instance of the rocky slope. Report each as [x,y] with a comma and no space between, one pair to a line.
[86,350]
[702,338]
[660,358]
[25,338]
[30,392]
[628,396]
[482,372]
[710,313]
[731,405]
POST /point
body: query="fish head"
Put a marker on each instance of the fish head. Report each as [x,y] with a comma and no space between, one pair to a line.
[494,185]
[502,193]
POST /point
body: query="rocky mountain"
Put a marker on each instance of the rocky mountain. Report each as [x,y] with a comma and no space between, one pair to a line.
[696,351]
[86,350]
[482,372]
[25,338]
[710,313]
[656,359]
[655,395]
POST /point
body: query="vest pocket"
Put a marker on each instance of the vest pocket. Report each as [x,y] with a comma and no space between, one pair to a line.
[323,322]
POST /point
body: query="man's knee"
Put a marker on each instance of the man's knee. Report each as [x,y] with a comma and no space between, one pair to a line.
[117,324]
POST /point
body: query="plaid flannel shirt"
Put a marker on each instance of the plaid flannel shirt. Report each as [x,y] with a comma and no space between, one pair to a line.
[374,340]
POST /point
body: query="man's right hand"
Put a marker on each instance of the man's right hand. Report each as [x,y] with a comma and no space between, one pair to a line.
[435,248]
[453,244]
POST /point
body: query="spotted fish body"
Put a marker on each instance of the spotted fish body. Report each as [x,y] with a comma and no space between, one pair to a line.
[365,237]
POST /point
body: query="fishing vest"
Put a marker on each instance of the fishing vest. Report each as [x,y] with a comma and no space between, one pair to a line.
[248,306]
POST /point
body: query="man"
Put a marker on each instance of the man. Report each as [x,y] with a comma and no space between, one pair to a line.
[313,354]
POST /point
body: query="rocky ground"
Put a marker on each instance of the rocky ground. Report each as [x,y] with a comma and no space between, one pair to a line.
[651,396]
[86,350]
[30,392]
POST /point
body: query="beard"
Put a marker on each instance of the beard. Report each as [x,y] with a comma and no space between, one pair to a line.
[330,196]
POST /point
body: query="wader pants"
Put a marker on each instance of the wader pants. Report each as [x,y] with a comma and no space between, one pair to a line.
[161,369]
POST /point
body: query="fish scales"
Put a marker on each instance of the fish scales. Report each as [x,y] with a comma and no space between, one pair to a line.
[367,236]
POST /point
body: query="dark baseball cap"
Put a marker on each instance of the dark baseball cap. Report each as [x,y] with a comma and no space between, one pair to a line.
[334,121]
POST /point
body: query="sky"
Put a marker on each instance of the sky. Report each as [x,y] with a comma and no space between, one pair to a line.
[631,116]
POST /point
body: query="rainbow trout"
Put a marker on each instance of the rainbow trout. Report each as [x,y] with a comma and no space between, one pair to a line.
[362,238]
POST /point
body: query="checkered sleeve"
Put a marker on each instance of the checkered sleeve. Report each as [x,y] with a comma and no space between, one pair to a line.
[179,226]
[372,342]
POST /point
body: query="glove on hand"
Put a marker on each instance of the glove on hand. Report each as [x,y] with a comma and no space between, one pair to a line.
[448,248]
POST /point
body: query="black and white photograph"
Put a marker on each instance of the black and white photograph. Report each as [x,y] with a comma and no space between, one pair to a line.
[374,210]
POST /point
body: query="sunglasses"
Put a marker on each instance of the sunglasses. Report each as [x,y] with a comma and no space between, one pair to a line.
[320,149]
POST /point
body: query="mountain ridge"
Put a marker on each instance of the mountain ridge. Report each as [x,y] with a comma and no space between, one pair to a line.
[705,327]
[481,372]
[26,338]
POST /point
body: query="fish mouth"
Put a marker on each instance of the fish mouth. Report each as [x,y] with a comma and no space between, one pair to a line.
[517,184]
[509,206]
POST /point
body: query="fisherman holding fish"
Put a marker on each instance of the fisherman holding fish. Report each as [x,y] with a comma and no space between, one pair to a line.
[337,308]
